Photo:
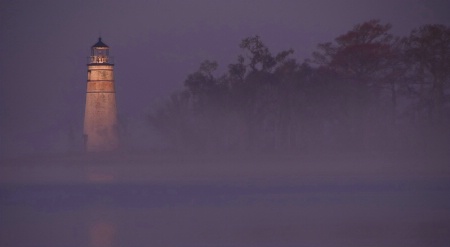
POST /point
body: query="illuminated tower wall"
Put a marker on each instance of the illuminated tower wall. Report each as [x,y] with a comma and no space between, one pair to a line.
[100,117]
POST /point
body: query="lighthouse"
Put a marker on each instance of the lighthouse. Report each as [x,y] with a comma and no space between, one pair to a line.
[100,118]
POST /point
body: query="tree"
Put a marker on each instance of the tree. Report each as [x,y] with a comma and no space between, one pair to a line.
[361,52]
[173,121]
[428,49]
[256,90]
[202,85]
[364,60]
[292,93]
[260,57]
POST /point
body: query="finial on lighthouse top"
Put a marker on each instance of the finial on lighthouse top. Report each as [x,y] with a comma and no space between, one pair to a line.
[100,53]
[100,44]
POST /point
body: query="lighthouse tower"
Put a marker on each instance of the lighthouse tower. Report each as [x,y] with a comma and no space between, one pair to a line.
[100,117]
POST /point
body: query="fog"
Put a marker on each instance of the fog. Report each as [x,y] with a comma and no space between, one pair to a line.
[186,200]
[253,123]
[155,45]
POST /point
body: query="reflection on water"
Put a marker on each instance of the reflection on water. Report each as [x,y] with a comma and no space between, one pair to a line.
[102,229]
[96,174]
[315,213]
[102,234]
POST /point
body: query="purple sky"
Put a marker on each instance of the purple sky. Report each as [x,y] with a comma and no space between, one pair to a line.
[44,45]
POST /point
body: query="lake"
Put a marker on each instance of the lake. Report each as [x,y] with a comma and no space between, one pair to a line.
[229,202]
[316,213]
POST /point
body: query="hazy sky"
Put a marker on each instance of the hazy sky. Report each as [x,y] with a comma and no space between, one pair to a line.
[44,45]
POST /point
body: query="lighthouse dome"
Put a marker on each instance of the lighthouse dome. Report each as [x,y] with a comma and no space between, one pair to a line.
[100,44]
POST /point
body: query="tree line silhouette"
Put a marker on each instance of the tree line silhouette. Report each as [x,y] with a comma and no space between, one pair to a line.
[366,90]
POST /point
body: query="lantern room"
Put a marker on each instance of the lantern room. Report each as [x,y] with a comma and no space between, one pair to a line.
[100,53]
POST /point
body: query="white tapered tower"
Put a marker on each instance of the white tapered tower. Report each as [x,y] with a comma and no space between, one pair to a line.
[100,117]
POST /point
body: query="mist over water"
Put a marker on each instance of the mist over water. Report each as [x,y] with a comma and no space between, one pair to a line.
[310,214]
[128,199]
